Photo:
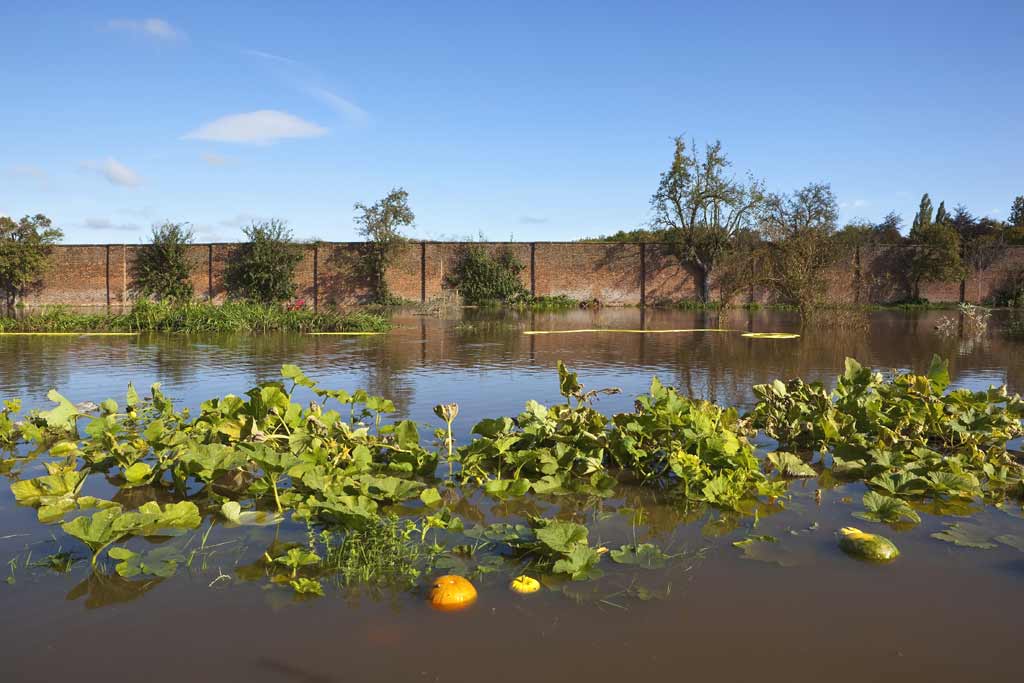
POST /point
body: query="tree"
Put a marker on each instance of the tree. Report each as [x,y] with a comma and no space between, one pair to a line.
[800,230]
[981,239]
[864,233]
[740,268]
[933,253]
[162,267]
[381,225]
[24,249]
[924,212]
[700,209]
[263,269]
[889,230]
[1017,212]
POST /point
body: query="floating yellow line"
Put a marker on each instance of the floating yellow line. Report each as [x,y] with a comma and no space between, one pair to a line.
[344,334]
[700,329]
[771,335]
[69,334]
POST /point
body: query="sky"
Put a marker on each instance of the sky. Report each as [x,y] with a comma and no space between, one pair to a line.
[524,121]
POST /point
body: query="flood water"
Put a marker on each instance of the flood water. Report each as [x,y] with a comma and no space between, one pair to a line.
[939,613]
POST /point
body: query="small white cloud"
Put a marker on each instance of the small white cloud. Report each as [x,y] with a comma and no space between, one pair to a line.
[213,159]
[855,204]
[346,108]
[153,28]
[115,172]
[107,224]
[256,128]
[532,220]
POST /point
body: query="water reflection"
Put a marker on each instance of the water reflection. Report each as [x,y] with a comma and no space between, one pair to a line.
[481,359]
[689,617]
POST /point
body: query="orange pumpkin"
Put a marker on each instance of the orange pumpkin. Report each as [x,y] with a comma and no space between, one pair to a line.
[452,592]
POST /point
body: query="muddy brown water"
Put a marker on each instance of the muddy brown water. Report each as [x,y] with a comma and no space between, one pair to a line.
[939,613]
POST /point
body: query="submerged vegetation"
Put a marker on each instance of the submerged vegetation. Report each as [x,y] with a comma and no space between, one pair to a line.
[371,503]
[195,317]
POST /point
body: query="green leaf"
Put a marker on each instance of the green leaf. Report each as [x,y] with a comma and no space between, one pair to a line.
[580,563]
[568,382]
[561,536]
[790,465]
[305,586]
[430,497]
[131,397]
[47,489]
[161,562]
[138,473]
[63,416]
[887,509]
[293,373]
[97,530]
[644,555]
[938,372]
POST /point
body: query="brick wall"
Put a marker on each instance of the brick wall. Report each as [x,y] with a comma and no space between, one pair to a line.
[612,273]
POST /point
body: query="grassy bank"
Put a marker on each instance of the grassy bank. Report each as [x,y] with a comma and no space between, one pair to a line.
[693,305]
[197,317]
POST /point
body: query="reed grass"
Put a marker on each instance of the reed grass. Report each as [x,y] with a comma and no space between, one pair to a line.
[197,317]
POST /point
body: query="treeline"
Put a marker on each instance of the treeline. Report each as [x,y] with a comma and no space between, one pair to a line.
[736,234]
[260,271]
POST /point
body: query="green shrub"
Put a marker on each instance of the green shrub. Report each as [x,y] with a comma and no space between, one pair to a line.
[162,267]
[481,278]
[263,269]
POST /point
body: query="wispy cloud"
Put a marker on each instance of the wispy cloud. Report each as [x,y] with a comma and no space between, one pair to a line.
[256,128]
[151,28]
[346,108]
[109,225]
[33,173]
[855,204]
[239,221]
[532,220]
[272,57]
[213,159]
[114,171]
[305,79]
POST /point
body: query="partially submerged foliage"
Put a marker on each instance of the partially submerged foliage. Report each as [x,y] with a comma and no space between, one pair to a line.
[906,437]
[339,465]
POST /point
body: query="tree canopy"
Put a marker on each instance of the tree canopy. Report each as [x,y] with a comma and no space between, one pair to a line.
[698,207]
[24,248]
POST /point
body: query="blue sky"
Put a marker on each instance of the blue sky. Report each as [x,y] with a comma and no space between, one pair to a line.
[538,121]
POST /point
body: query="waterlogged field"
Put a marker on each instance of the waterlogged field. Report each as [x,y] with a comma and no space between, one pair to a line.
[688,525]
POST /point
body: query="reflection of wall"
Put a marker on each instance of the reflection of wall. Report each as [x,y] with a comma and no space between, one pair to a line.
[330,273]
